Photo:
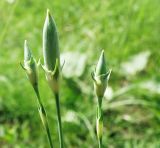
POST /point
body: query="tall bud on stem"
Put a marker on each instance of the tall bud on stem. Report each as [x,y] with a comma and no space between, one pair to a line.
[100,76]
[52,63]
[51,53]
[30,66]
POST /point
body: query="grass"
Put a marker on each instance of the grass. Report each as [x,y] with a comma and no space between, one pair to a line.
[123,29]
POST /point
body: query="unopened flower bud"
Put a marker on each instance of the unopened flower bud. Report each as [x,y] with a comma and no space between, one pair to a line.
[101,77]
[51,52]
[101,67]
[30,65]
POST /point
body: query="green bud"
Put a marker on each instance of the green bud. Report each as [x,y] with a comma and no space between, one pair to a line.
[50,43]
[30,65]
[101,65]
[27,53]
[101,76]
[51,52]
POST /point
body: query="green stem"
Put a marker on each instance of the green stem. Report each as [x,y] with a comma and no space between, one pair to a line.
[59,120]
[43,116]
[100,143]
[100,122]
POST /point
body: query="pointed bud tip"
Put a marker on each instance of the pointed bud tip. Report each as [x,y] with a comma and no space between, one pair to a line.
[25,43]
[101,65]
[27,51]
[49,17]
[48,13]
[102,53]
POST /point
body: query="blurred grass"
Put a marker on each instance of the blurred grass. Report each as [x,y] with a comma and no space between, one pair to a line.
[122,28]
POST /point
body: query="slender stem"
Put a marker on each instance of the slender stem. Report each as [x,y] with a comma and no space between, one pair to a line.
[59,120]
[100,143]
[100,122]
[43,116]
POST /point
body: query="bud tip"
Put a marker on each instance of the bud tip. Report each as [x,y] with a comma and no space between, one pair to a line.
[25,42]
[27,52]
[102,53]
[48,12]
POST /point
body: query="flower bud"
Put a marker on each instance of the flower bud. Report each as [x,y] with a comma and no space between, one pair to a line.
[30,65]
[101,65]
[100,77]
[51,52]
[50,43]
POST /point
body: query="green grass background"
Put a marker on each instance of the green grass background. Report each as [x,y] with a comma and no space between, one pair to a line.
[122,28]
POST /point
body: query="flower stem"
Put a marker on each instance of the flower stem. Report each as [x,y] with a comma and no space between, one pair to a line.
[43,116]
[59,120]
[99,122]
[100,143]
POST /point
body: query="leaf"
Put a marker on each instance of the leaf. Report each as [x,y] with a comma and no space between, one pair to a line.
[10,1]
[108,93]
[136,63]
[70,116]
[151,86]
[75,64]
